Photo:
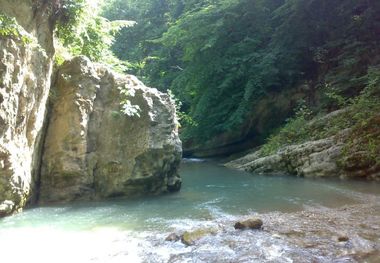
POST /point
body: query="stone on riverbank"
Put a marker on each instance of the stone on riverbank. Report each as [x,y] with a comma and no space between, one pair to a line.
[346,153]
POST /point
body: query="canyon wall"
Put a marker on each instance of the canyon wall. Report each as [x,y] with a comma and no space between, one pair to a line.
[93,134]
[25,71]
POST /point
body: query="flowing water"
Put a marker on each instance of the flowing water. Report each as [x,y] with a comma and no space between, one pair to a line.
[212,196]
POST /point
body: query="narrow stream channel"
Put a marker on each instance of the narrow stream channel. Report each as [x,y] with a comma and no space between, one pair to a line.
[134,230]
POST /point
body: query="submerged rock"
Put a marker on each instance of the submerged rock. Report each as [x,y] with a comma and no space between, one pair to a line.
[94,150]
[252,223]
[173,237]
[343,238]
[190,237]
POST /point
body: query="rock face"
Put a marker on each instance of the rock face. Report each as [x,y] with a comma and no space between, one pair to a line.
[320,158]
[25,70]
[92,150]
[311,159]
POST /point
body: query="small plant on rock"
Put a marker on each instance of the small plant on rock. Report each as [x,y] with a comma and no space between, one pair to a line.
[127,107]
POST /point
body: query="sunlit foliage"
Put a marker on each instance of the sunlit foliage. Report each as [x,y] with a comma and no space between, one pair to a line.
[221,57]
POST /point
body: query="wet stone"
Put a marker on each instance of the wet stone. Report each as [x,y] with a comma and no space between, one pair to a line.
[343,238]
[253,223]
[190,237]
[173,237]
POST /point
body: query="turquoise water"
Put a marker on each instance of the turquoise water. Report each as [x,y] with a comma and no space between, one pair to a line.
[209,192]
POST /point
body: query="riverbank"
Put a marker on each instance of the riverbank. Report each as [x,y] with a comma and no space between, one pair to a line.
[343,144]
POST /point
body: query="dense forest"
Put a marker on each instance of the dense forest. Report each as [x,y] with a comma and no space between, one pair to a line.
[221,59]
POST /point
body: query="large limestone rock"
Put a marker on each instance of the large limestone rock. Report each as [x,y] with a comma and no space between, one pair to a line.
[93,150]
[319,158]
[310,159]
[25,70]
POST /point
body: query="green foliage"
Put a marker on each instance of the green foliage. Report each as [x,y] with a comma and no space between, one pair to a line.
[84,32]
[361,116]
[10,28]
[58,59]
[221,58]
[365,134]
[133,44]
[218,72]
[296,130]
[333,95]
[183,117]
[70,16]
[127,107]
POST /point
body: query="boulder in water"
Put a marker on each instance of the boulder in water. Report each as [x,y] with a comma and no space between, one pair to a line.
[108,135]
[252,223]
[343,238]
[173,237]
[190,237]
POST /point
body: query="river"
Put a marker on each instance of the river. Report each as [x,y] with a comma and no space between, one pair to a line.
[214,197]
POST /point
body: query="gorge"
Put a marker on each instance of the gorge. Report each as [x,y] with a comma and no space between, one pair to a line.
[264,112]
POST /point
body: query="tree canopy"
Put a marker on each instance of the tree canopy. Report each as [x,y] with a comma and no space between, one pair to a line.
[221,57]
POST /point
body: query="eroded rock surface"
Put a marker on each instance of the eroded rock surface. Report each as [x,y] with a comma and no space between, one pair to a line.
[311,159]
[93,150]
[190,237]
[25,70]
[320,158]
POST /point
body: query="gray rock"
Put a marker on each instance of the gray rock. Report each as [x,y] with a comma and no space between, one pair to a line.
[310,159]
[173,237]
[190,237]
[92,150]
[320,158]
[6,207]
[25,73]
[252,223]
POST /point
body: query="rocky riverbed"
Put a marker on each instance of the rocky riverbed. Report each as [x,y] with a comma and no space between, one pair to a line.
[318,234]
